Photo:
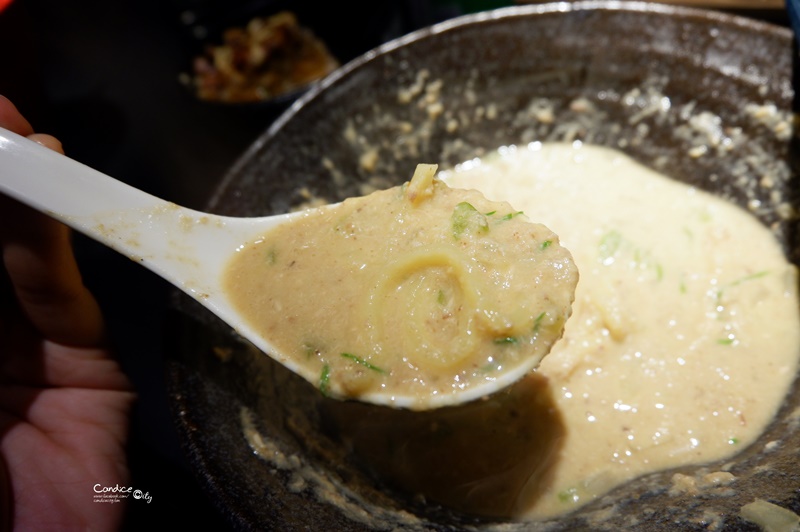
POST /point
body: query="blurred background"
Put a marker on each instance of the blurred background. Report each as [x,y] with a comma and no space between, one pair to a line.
[106,78]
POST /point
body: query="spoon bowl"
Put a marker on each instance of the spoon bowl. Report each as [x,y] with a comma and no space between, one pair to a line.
[192,250]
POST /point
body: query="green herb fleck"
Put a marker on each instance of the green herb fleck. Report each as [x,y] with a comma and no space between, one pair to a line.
[725,341]
[568,495]
[609,244]
[721,292]
[490,366]
[537,323]
[682,286]
[613,243]
[365,363]
[750,277]
[733,441]
[324,380]
[511,215]
[465,218]
[441,298]
[506,340]
[546,244]
[310,350]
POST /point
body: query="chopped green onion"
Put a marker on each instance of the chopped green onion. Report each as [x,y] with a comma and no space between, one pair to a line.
[511,215]
[538,322]
[365,363]
[546,244]
[324,380]
[490,366]
[465,218]
[721,291]
[609,244]
[568,495]
[613,243]
[750,277]
[310,350]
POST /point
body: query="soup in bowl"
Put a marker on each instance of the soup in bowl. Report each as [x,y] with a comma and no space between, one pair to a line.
[641,118]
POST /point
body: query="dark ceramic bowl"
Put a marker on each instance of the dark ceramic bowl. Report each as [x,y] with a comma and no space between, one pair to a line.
[620,59]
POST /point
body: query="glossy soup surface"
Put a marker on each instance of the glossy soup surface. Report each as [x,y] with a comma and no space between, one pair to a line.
[684,338]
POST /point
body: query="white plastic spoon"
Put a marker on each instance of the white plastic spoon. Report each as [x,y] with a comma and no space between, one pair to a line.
[188,248]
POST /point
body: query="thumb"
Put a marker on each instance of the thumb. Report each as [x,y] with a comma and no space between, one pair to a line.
[40,264]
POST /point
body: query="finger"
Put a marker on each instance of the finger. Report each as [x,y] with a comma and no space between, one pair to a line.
[48,141]
[48,285]
[39,261]
[6,497]
[12,119]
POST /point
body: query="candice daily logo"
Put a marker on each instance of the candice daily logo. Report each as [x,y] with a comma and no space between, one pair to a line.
[116,493]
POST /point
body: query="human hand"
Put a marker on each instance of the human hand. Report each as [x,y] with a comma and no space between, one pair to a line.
[64,401]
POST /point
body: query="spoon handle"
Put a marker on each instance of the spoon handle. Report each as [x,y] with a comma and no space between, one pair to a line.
[188,248]
[65,189]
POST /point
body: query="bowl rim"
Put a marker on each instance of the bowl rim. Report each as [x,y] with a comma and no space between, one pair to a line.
[508,12]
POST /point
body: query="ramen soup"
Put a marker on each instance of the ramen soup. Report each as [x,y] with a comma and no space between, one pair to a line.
[419,291]
[684,335]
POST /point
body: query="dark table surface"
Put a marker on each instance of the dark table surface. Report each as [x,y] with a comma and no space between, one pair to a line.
[103,77]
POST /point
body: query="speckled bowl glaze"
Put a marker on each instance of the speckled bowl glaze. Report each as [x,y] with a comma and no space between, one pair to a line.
[646,72]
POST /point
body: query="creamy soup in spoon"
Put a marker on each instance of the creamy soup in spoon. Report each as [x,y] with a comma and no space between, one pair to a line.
[419,291]
[685,335]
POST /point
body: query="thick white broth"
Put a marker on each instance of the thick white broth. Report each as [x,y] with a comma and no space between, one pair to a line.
[685,333]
